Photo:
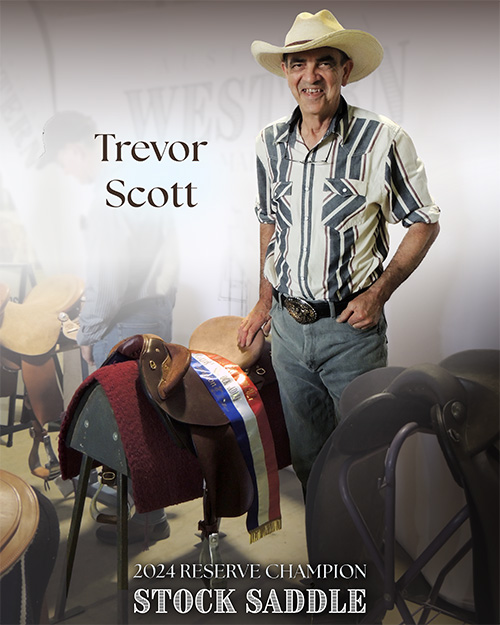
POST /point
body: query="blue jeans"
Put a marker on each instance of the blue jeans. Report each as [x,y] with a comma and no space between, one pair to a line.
[155,319]
[313,364]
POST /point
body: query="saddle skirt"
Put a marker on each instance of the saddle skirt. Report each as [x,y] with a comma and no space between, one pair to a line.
[212,409]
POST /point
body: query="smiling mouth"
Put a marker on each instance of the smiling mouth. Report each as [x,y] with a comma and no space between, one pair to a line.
[312,91]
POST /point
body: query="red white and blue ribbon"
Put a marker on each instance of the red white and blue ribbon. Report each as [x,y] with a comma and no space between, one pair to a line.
[240,401]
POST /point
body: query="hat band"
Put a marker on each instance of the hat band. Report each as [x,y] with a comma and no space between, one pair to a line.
[297,43]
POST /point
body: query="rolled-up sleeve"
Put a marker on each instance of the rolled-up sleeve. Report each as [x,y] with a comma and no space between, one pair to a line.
[263,205]
[408,197]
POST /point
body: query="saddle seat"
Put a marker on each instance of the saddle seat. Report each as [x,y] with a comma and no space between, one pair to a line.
[34,327]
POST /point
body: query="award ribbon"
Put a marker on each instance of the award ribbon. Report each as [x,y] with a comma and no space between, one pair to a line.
[240,401]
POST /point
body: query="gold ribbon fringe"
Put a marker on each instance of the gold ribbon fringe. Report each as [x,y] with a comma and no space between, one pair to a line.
[265,529]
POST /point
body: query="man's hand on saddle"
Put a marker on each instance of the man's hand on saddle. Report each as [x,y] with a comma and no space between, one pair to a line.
[258,318]
[87,354]
[363,312]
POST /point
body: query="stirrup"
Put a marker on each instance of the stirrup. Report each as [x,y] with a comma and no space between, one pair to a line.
[108,478]
[210,553]
[51,470]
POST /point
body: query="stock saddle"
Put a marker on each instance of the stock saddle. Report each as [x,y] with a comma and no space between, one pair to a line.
[182,423]
[30,334]
[193,420]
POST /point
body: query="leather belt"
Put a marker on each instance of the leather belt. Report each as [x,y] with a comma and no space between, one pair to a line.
[305,312]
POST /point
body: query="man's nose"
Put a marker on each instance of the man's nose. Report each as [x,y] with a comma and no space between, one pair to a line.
[310,72]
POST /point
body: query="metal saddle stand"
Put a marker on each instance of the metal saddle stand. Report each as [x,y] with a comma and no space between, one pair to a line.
[95,433]
[458,402]
[189,418]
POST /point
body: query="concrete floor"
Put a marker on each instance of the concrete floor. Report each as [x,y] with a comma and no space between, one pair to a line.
[94,576]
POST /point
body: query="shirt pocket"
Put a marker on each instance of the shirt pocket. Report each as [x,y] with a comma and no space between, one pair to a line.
[344,203]
[281,194]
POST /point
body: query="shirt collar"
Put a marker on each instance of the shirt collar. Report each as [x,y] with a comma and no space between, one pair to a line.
[338,125]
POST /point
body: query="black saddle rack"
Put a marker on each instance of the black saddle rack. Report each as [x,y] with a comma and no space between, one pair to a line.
[352,496]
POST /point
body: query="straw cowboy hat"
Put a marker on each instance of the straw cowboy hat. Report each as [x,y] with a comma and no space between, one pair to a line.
[317,31]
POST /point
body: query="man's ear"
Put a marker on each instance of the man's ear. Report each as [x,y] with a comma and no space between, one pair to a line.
[284,67]
[347,68]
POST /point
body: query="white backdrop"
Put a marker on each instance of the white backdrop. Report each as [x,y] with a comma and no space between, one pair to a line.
[183,71]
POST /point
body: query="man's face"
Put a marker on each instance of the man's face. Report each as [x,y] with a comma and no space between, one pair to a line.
[315,78]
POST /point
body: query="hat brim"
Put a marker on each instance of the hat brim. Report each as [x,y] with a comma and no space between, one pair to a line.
[364,49]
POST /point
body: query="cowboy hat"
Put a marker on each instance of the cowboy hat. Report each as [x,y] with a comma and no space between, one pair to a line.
[321,30]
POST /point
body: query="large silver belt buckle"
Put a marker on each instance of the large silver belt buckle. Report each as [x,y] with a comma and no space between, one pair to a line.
[300,310]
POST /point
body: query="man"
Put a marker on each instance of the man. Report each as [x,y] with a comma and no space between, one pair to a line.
[131,262]
[131,271]
[330,178]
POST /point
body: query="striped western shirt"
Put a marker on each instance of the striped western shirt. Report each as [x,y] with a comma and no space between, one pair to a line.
[331,205]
